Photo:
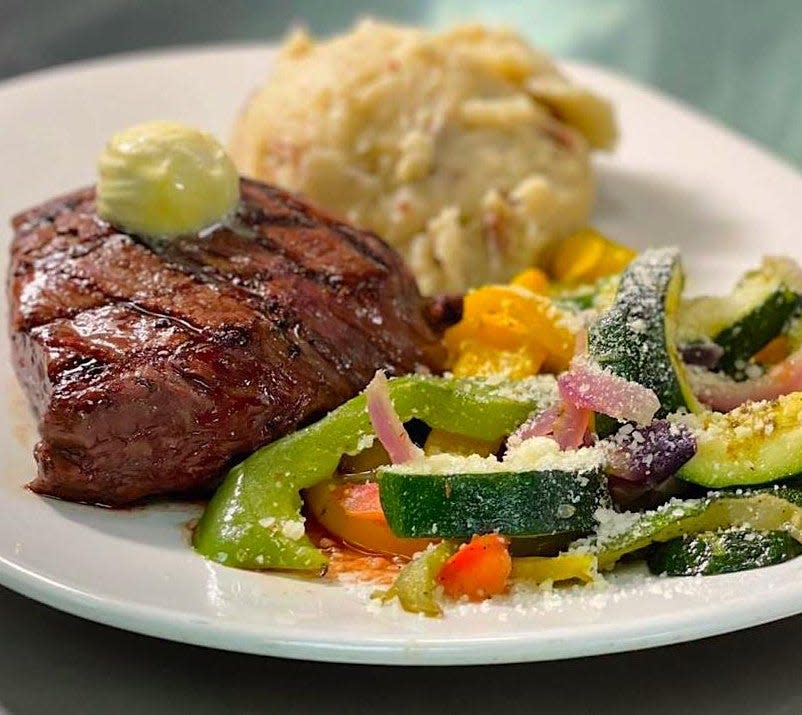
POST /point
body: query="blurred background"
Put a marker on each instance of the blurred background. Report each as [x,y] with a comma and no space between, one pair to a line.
[737,60]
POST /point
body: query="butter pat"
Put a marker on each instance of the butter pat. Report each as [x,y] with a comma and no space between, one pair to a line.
[164,179]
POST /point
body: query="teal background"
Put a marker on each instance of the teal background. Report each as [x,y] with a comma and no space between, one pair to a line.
[737,60]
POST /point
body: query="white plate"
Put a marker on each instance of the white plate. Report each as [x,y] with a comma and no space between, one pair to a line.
[676,178]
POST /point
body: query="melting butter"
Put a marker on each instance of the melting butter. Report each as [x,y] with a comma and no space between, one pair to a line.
[164,179]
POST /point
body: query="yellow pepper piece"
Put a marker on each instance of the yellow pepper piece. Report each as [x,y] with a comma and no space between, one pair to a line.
[501,329]
[508,330]
[477,359]
[443,442]
[508,318]
[565,567]
[532,279]
[587,256]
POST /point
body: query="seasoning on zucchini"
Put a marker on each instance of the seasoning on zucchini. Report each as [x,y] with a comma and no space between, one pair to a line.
[447,496]
[634,338]
[755,443]
[777,508]
[726,551]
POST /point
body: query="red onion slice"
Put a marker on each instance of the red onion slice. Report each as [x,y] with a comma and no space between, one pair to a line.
[571,426]
[386,423]
[540,424]
[723,394]
[565,423]
[649,455]
[589,386]
[641,462]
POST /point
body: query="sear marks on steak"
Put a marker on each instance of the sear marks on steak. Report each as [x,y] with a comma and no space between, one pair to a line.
[152,367]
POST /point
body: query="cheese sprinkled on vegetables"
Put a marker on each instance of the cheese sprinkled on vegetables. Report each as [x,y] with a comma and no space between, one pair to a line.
[535,454]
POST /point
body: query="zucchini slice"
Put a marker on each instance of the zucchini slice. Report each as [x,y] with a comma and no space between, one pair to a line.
[742,323]
[777,508]
[456,497]
[715,552]
[756,443]
[634,338]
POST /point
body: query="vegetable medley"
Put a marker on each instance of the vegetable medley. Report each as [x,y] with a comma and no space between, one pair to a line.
[588,412]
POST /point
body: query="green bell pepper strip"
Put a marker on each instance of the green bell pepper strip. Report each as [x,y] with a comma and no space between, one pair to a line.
[254,519]
[416,583]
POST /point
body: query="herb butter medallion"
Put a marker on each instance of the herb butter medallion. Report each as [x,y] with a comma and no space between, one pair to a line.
[165,179]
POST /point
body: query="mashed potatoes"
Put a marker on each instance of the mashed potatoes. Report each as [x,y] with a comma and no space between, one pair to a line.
[468,151]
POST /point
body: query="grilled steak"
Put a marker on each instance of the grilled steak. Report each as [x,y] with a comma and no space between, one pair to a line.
[151,367]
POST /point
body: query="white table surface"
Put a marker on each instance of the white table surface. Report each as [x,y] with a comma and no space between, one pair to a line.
[51,662]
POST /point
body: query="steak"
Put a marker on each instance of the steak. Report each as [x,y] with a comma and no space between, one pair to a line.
[152,366]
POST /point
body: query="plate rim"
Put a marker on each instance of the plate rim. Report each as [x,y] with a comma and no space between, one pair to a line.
[173,625]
